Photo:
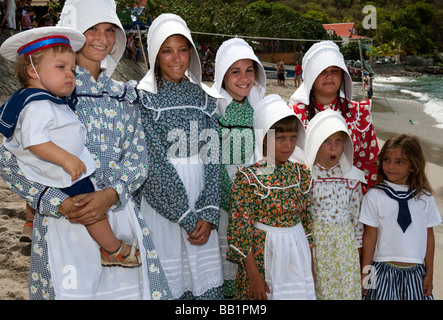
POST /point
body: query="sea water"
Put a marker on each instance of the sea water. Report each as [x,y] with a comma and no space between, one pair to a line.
[428,90]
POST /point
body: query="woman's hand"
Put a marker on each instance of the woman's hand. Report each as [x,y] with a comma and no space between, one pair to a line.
[89,208]
[201,233]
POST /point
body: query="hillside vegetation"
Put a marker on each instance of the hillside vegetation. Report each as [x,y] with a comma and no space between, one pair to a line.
[413,27]
[405,26]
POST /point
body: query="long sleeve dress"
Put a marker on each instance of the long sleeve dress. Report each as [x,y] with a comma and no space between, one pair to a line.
[65,260]
[272,197]
[237,145]
[337,233]
[183,184]
[361,129]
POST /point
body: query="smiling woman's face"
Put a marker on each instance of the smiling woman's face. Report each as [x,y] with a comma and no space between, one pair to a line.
[100,40]
[173,58]
[239,79]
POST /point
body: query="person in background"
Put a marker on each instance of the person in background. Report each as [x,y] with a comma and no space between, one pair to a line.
[11,8]
[131,47]
[28,19]
[51,17]
[46,67]
[297,76]
[3,21]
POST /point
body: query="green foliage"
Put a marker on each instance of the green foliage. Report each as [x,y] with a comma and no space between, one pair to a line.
[411,26]
[257,19]
[352,52]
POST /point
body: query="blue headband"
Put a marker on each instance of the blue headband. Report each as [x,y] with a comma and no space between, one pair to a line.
[43,43]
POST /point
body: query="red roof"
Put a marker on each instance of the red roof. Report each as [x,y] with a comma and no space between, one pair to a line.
[342,29]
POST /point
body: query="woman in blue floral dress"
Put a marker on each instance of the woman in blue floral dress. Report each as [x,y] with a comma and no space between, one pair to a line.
[65,260]
[181,195]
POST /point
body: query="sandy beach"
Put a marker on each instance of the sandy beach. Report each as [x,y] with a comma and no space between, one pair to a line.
[390,117]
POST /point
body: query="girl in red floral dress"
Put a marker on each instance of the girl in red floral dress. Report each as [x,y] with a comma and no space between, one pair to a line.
[328,85]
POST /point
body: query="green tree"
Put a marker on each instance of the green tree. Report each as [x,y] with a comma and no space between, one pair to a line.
[411,28]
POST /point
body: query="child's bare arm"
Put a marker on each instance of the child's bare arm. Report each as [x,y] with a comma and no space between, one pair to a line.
[49,151]
[257,284]
[369,242]
[429,263]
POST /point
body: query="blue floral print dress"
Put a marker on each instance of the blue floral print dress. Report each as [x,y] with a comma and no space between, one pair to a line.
[183,185]
[116,141]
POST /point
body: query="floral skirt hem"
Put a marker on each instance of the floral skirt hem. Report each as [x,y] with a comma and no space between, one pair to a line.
[336,262]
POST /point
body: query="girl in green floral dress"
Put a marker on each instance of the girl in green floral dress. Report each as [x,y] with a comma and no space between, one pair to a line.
[270,220]
[241,80]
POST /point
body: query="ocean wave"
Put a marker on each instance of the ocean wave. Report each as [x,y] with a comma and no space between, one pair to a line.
[385,87]
[420,95]
[426,90]
[434,109]
[393,79]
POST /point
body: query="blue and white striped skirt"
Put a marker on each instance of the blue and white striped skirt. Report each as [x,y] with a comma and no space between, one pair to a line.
[390,282]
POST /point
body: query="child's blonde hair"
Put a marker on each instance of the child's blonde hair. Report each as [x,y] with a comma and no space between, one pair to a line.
[413,151]
[23,63]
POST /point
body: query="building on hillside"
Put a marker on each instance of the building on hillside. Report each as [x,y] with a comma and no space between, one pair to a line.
[346,31]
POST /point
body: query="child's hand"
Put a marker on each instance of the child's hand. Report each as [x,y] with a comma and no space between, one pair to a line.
[257,284]
[201,233]
[74,166]
[427,285]
[258,287]
[364,281]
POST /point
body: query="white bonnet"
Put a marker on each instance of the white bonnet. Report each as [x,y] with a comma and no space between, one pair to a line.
[33,40]
[323,125]
[320,56]
[164,26]
[271,109]
[83,14]
[228,53]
